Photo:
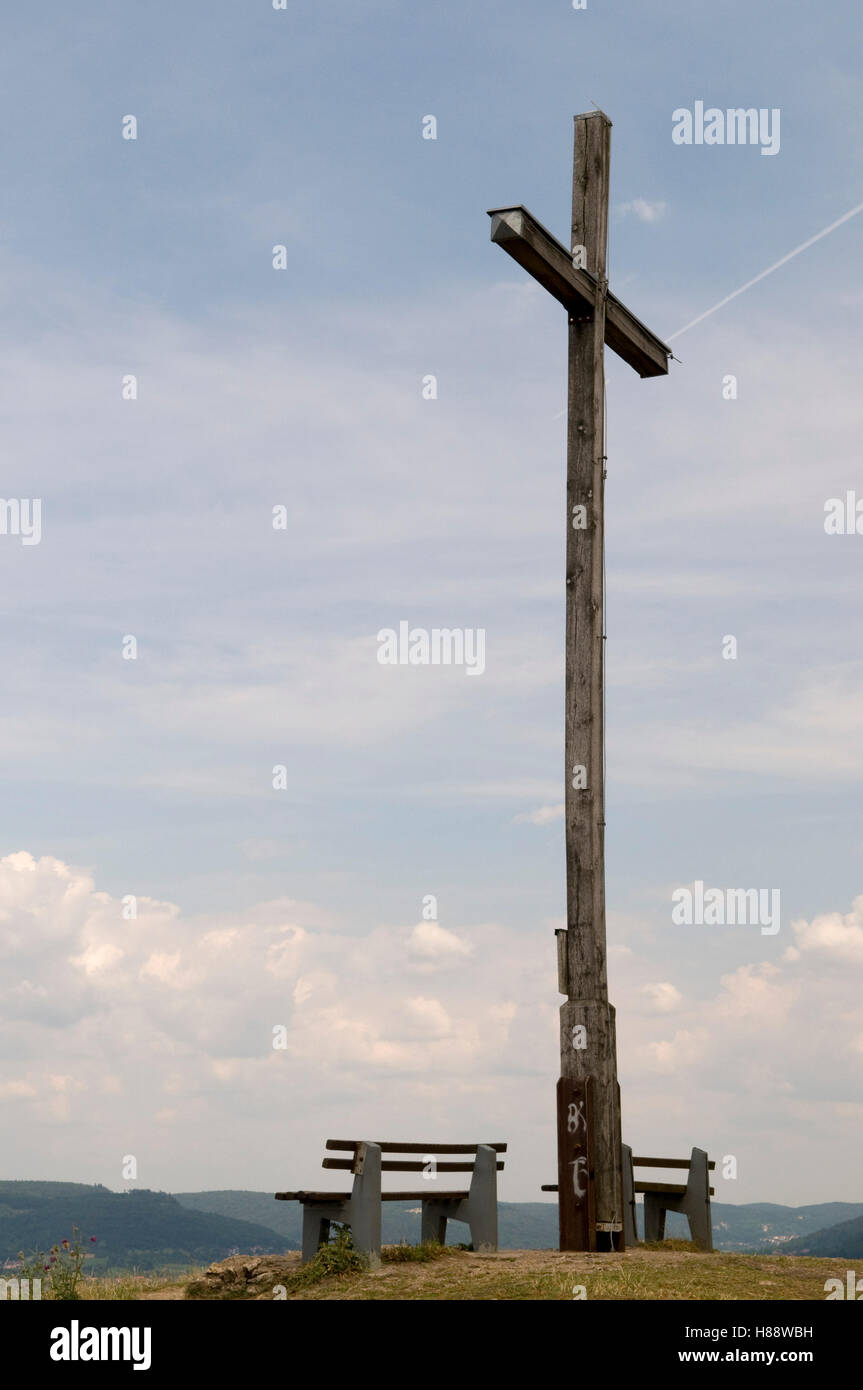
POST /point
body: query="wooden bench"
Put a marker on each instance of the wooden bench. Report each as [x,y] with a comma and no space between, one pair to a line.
[691,1198]
[361,1207]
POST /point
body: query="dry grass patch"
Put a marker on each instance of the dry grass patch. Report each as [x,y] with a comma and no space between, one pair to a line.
[643,1274]
[130,1287]
[674,1271]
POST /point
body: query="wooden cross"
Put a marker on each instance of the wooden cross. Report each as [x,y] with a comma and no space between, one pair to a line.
[589,1136]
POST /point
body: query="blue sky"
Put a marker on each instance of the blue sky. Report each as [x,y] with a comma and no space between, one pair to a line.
[302,387]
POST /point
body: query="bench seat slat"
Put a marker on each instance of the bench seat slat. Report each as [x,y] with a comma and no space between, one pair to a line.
[406,1165]
[388,1148]
[676,1188]
[385,1196]
[639,1187]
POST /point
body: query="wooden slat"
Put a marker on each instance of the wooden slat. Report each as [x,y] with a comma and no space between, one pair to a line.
[674,1187]
[562,961]
[532,245]
[619,1240]
[664,1163]
[405,1165]
[638,1187]
[524,238]
[425,1196]
[391,1148]
[630,339]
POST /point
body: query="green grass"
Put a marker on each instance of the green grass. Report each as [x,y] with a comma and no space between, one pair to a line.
[338,1263]
[413,1254]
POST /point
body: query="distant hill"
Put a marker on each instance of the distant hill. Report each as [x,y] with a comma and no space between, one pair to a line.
[760,1226]
[845,1239]
[141,1229]
[533,1225]
[258,1207]
[155,1230]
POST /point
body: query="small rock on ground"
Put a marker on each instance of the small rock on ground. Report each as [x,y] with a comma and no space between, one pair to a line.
[244,1276]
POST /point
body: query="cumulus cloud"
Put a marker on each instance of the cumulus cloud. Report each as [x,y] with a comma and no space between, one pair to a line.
[433,944]
[833,936]
[165,1006]
[429,1016]
[140,1036]
[664,997]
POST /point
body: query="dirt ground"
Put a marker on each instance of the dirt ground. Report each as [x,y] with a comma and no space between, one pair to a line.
[643,1274]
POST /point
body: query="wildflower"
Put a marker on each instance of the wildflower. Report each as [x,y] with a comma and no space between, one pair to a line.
[93,1238]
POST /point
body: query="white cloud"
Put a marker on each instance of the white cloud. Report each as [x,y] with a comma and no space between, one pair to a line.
[759,993]
[834,936]
[644,210]
[665,998]
[433,944]
[222,687]
[162,966]
[185,1008]
[429,1016]
[673,1056]
[543,815]
[16,1090]
[814,732]
[95,959]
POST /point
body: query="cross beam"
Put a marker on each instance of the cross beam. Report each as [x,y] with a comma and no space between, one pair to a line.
[542,255]
[590,1187]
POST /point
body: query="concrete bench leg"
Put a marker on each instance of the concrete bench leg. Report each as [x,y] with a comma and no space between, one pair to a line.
[433,1223]
[696,1202]
[654,1216]
[630,1230]
[316,1232]
[482,1200]
[365,1215]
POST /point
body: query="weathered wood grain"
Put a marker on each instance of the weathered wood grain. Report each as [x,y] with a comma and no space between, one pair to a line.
[577,278]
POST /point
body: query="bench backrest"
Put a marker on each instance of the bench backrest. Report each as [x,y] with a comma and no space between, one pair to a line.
[664,1163]
[429,1152]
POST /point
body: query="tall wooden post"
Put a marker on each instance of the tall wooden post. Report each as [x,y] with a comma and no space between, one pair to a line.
[590,1189]
[588,1044]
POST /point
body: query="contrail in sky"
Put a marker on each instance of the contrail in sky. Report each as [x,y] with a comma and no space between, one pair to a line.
[825,231]
[769,271]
